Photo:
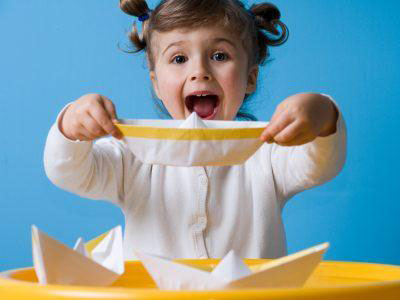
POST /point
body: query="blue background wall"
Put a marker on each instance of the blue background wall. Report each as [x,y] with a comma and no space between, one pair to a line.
[52,52]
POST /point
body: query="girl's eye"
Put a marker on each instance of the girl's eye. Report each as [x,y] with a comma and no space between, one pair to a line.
[220,56]
[179,59]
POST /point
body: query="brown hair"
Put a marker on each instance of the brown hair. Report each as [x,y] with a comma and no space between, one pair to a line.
[255,26]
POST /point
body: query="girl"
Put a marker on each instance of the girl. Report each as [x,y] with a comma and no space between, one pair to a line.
[203,56]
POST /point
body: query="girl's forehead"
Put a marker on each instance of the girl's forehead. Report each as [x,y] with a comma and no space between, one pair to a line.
[194,36]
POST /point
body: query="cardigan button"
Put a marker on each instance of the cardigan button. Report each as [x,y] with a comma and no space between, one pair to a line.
[202,221]
[203,180]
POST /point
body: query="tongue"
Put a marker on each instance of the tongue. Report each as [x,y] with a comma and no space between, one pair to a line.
[204,107]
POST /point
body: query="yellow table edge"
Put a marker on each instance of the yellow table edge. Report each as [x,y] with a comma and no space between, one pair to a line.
[389,289]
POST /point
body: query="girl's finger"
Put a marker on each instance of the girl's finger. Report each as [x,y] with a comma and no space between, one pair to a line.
[110,108]
[266,135]
[292,142]
[92,126]
[99,113]
[277,124]
[289,133]
[84,135]
[301,139]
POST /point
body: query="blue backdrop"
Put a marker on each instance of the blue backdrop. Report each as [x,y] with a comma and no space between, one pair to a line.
[52,52]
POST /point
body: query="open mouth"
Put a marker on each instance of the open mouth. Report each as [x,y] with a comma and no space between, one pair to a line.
[205,105]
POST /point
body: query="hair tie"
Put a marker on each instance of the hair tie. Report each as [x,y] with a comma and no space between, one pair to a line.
[143,17]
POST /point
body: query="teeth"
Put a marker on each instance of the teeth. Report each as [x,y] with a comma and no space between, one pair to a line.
[202,95]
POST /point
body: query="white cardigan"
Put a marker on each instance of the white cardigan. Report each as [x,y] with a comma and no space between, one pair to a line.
[195,212]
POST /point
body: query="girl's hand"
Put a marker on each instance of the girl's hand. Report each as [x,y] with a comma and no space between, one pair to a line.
[90,117]
[299,119]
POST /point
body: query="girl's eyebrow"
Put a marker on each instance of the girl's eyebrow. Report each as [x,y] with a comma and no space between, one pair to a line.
[216,40]
[173,44]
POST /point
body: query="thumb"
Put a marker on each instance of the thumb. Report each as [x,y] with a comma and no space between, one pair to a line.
[267,134]
[110,109]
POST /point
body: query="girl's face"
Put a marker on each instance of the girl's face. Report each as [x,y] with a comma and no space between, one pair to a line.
[203,70]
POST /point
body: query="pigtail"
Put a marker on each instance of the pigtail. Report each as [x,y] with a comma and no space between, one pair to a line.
[266,17]
[136,8]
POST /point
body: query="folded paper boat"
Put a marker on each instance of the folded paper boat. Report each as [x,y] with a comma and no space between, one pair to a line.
[192,142]
[100,263]
[291,271]
[55,263]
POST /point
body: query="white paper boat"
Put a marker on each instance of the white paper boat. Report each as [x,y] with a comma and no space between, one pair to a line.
[192,142]
[231,273]
[55,263]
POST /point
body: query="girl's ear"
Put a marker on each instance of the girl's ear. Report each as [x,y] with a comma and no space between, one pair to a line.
[252,79]
[154,83]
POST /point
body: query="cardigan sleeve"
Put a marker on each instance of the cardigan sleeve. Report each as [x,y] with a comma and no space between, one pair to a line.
[102,170]
[298,168]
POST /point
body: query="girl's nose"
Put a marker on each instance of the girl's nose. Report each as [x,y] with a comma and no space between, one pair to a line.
[196,77]
[200,73]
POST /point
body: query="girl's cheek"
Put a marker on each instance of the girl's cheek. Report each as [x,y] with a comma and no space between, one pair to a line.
[169,82]
[170,90]
[236,87]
